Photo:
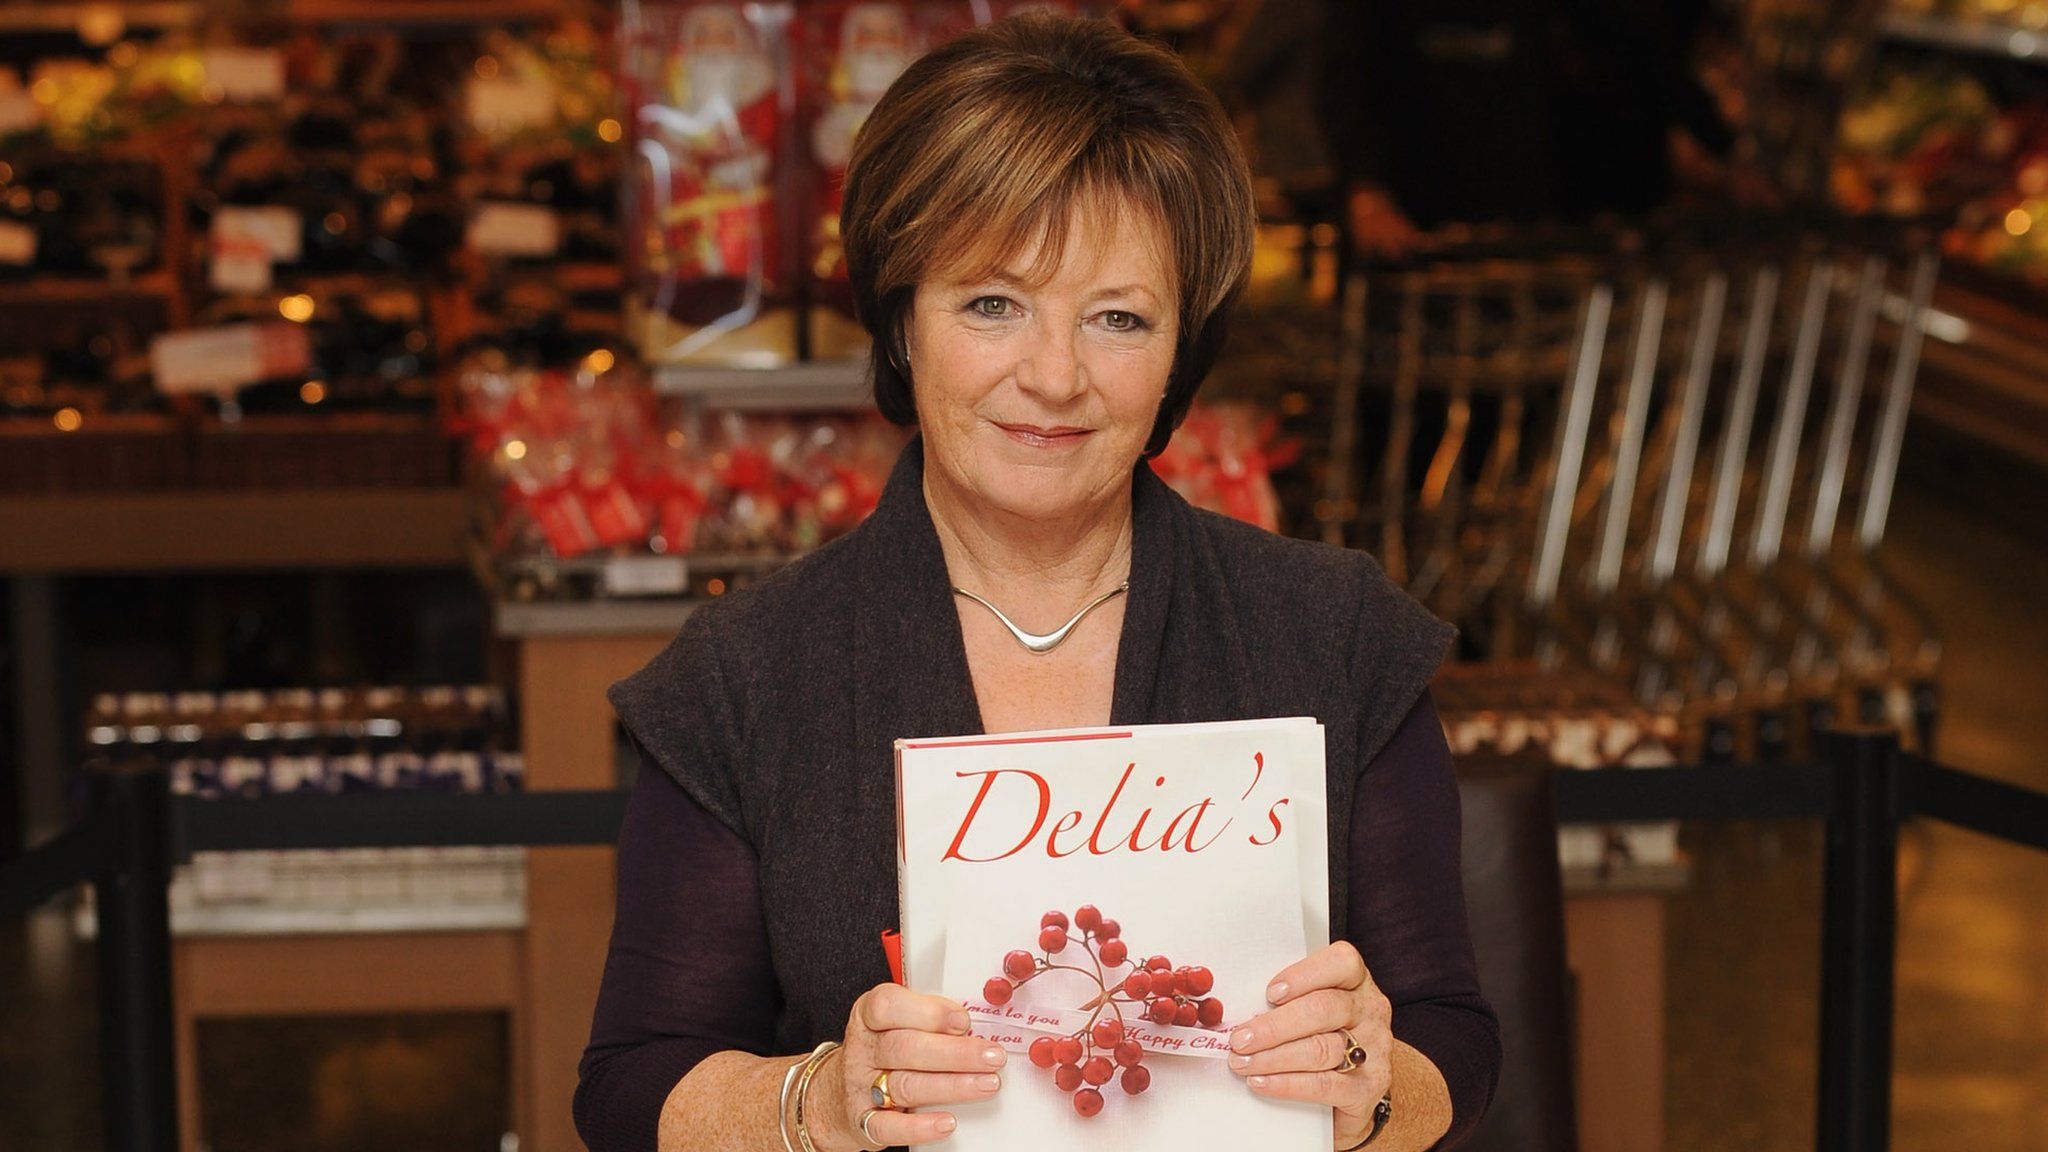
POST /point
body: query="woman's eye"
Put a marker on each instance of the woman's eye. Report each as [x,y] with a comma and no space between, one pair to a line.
[1122,321]
[990,307]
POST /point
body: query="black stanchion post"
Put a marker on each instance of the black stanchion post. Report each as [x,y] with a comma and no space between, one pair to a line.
[133,896]
[1859,938]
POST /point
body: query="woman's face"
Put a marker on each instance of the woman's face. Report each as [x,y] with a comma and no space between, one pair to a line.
[1036,399]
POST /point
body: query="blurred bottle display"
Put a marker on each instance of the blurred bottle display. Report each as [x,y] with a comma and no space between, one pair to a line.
[383,191]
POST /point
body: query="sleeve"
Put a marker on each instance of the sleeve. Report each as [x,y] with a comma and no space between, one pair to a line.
[688,973]
[1407,912]
[681,713]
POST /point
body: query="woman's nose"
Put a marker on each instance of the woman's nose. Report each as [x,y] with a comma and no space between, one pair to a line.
[1052,367]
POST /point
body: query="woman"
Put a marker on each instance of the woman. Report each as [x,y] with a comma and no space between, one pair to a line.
[1045,222]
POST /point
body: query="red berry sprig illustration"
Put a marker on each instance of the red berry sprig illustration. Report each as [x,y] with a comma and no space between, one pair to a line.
[1152,989]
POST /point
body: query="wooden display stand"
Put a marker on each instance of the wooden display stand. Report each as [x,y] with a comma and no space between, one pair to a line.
[343,975]
[1614,946]
[566,728]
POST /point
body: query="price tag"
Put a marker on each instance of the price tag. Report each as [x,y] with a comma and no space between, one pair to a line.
[245,75]
[500,229]
[500,106]
[228,357]
[646,576]
[239,274]
[246,242]
[276,233]
[17,243]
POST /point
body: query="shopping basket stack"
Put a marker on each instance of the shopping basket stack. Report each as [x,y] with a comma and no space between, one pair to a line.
[1664,461]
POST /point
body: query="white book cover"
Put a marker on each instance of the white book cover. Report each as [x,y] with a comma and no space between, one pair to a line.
[1108,903]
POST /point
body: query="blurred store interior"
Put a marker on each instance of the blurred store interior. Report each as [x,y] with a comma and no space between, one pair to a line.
[380,379]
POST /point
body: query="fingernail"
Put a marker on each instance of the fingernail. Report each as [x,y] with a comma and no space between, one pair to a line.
[946,1124]
[1276,993]
[1257,1081]
[992,1057]
[957,1021]
[1242,1038]
[988,1083]
[1240,1061]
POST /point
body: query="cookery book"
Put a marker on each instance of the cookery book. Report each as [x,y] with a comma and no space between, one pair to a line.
[1108,903]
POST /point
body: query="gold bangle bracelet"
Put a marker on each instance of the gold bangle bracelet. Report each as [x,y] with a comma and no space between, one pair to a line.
[782,1104]
[803,1090]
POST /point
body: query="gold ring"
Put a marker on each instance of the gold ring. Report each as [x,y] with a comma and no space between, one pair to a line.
[870,1137]
[879,1092]
[1355,1054]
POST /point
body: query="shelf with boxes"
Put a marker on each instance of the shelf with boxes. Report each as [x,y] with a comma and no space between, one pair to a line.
[1950,126]
[333,740]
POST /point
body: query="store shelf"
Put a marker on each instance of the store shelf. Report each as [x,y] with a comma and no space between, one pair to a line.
[540,619]
[422,11]
[42,16]
[209,531]
[1980,37]
[838,386]
[1991,382]
[79,290]
[1628,879]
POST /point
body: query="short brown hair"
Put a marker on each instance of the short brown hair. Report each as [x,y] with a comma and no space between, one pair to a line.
[990,142]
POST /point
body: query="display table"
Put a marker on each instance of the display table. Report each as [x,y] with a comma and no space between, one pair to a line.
[570,653]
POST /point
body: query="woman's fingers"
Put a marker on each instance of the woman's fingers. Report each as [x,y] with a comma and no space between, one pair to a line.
[925,1089]
[1325,1010]
[1337,966]
[1318,1053]
[1336,1089]
[893,1128]
[891,1006]
[928,1052]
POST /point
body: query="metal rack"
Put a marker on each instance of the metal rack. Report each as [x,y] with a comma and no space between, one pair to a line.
[1671,467]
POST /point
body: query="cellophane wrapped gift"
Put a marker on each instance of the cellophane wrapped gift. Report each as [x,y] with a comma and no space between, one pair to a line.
[586,462]
[710,101]
[1223,459]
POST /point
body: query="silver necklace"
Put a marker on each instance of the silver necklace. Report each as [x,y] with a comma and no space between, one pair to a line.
[1038,644]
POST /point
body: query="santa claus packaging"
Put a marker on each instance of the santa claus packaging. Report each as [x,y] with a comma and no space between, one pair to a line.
[709,89]
[850,53]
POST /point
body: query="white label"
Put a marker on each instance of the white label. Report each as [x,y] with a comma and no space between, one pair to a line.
[17,243]
[499,106]
[276,234]
[240,275]
[245,75]
[646,576]
[226,358]
[500,229]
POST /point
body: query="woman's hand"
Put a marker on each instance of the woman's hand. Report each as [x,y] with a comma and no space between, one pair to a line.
[923,1043]
[1296,1051]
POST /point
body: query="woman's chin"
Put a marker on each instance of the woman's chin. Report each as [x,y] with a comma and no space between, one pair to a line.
[1036,493]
